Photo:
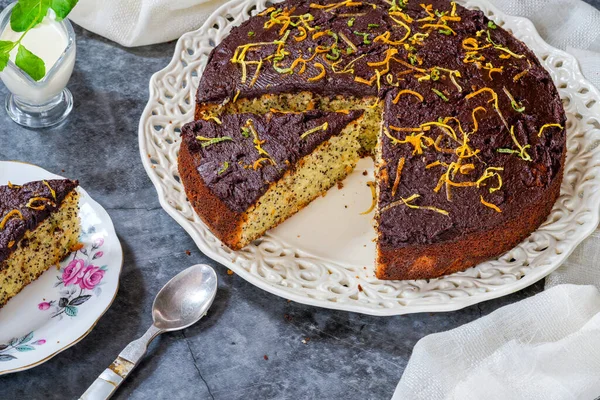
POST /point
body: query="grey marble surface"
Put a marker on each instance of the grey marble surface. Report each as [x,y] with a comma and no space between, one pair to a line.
[250,344]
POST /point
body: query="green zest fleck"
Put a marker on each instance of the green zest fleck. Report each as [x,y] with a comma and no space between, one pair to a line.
[313,130]
[365,37]
[335,54]
[349,50]
[446,32]
[491,25]
[209,141]
[397,5]
[517,107]
[489,39]
[435,74]
[223,168]
[522,152]
[250,34]
[442,96]
[351,21]
[439,14]
[245,132]
[373,26]
[506,151]
[412,58]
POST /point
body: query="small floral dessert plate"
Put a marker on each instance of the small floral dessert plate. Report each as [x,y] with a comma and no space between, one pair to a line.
[63,305]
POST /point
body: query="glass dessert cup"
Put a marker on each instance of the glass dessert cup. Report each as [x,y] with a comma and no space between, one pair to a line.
[46,102]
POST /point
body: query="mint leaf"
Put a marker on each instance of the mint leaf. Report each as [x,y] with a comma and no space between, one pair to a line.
[28,13]
[6,46]
[62,8]
[3,61]
[30,63]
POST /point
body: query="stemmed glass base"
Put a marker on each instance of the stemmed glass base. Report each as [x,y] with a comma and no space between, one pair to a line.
[40,116]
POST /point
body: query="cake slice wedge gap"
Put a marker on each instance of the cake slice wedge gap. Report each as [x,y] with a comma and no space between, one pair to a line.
[246,173]
[39,227]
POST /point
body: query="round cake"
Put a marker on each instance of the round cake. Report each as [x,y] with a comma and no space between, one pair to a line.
[464,124]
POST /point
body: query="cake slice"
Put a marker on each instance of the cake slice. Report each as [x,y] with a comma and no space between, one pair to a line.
[246,173]
[39,226]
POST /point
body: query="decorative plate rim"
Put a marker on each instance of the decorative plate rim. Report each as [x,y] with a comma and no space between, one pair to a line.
[224,15]
[110,226]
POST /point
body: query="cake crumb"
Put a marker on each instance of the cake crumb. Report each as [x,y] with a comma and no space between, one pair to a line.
[287,317]
[340,185]
[306,340]
[360,289]
[229,272]
[365,173]
[266,357]
[189,253]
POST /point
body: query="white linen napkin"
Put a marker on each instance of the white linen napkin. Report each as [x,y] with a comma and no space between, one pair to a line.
[547,346]
[141,22]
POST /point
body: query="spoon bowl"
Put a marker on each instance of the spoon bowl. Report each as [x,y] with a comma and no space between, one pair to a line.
[185,298]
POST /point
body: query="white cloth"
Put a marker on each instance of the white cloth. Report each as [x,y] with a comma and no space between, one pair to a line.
[141,22]
[547,346]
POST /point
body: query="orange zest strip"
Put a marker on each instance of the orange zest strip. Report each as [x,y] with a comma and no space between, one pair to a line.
[475,123]
[520,75]
[471,44]
[52,192]
[258,163]
[39,199]
[304,35]
[466,169]
[433,164]
[439,26]
[321,75]
[265,12]
[407,202]
[371,185]
[407,91]
[428,9]
[494,99]
[418,141]
[402,24]
[490,205]
[389,54]
[385,39]
[11,214]
[549,126]
[398,174]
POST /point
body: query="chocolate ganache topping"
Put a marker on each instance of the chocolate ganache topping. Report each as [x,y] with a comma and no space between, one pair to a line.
[241,155]
[24,207]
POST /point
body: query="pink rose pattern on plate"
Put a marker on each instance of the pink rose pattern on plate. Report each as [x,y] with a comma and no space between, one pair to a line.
[18,345]
[79,281]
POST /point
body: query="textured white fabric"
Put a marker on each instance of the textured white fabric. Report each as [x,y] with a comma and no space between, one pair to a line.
[545,347]
[141,22]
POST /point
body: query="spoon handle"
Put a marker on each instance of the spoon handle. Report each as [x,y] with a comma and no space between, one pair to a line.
[107,383]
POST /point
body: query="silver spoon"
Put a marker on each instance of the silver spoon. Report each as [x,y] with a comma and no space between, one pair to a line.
[180,303]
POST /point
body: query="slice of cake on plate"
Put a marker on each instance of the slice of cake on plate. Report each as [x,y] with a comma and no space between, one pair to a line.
[246,173]
[39,226]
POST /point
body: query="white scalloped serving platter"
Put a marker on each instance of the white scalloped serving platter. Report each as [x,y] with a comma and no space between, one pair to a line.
[323,256]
